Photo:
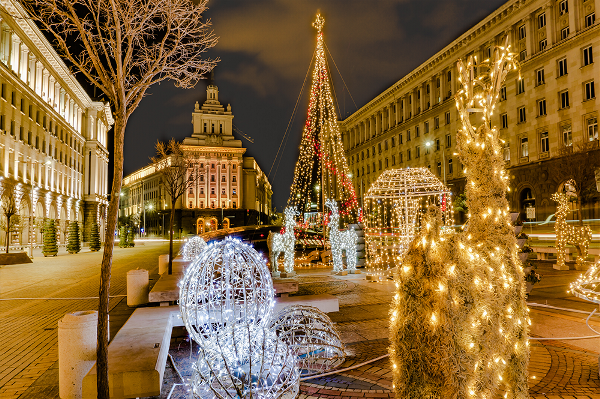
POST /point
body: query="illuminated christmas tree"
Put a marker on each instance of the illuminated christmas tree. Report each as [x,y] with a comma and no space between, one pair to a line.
[322,170]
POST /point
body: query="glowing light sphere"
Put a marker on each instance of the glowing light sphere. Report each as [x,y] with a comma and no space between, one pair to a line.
[341,240]
[227,285]
[587,286]
[283,242]
[256,364]
[312,338]
[193,248]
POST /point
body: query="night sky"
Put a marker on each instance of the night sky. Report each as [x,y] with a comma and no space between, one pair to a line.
[265,49]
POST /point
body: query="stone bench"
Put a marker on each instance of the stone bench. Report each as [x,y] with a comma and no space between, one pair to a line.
[324,302]
[285,288]
[138,354]
[542,252]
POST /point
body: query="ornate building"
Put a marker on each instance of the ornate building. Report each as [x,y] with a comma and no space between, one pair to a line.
[231,189]
[53,137]
[413,123]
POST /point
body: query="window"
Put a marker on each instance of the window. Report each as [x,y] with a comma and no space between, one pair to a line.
[373,151]
[544,142]
[589,91]
[379,147]
[447,118]
[448,141]
[234,179]
[524,147]
[439,168]
[522,55]
[393,160]
[212,166]
[504,120]
[212,204]
[387,164]
[408,135]
[588,56]
[543,44]
[212,127]
[190,205]
[436,122]
[379,164]
[417,131]
[426,127]
[234,166]
[522,117]
[450,168]
[564,99]
[201,177]
[562,67]
[393,142]
[212,191]
[201,190]
[488,52]
[539,77]
[437,144]
[520,86]
[567,136]
[212,178]
[590,19]
[223,179]
[541,20]
[417,152]
[385,145]
[234,206]
[374,167]
[223,192]
[506,152]
[592,128]
[400,139]
[522,32]
[204,127]
[541,107]
[563,7]
[408,155]
[564,33]
[503,93]
[191,192]
[400,158]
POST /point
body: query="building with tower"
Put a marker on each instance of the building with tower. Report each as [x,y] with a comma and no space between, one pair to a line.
[53,136]
[231,189]
[553,106]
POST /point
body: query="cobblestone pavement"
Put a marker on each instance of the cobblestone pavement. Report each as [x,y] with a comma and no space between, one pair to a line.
[557,370]
[29,328]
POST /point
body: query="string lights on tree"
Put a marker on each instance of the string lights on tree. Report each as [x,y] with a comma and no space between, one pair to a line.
[283,242]
[463,294]
[341,241]
[322,159]
[393,206]
[193,247]
[578,236]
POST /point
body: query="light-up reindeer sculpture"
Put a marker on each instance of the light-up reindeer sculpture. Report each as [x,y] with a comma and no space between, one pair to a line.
[283,242]
[458,325]
[341,240]
[578,236]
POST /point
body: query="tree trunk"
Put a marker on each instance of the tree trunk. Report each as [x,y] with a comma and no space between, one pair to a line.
[7,232]
[111,224]
[171,237]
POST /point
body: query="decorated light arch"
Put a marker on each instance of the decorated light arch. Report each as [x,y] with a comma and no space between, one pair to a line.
[393,205]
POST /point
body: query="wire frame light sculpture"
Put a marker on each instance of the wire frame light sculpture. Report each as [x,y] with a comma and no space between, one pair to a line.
[193,247]
[226,302]
[393,205]
[341,240]
[312,338]
[587,286]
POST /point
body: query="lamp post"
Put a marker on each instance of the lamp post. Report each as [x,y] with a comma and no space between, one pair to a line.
[429,144]
[31,210]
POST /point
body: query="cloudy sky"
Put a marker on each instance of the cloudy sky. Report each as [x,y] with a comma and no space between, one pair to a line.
[265,48]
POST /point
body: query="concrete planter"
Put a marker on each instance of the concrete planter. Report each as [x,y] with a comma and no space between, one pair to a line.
[137,287]
[528,287]
[163,263]
[523,256]
[521,242]
[518,229]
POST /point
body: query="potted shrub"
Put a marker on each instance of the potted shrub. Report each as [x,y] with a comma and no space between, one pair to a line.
[521,239]
[524,252]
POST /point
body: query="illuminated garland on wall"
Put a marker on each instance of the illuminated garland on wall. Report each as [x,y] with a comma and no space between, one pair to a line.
[283,242]
[459,319]
[578,236]
[341,240]
[321,149]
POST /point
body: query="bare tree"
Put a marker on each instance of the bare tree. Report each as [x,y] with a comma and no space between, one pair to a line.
[178,175]
[123,47]
[11,199]
[578,163]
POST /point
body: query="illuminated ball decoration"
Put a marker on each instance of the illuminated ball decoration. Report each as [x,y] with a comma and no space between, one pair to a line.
[578,236]
[459,321]
[227,285]
[256,364]
[587,286]
[341,241]
[283,242]
[312,338]
[392,208]
[193,247]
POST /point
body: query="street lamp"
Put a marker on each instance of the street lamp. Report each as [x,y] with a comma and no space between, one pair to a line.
[429,144]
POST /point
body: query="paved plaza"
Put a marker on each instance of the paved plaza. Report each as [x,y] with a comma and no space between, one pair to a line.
[28,354]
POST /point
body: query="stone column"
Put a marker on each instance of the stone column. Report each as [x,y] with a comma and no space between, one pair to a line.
[23,63]
[529,32]
[573,17]
[377,123]
[45,84]
[15,52]
[551,24]
[38,77]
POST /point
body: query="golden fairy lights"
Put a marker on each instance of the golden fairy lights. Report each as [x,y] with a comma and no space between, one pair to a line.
[579,236]
[462,293]
[322,160]
[393,206]
[587,286]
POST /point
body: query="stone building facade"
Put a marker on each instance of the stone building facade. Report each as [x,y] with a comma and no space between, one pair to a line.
[414,122]
[53,136]
[231,190]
